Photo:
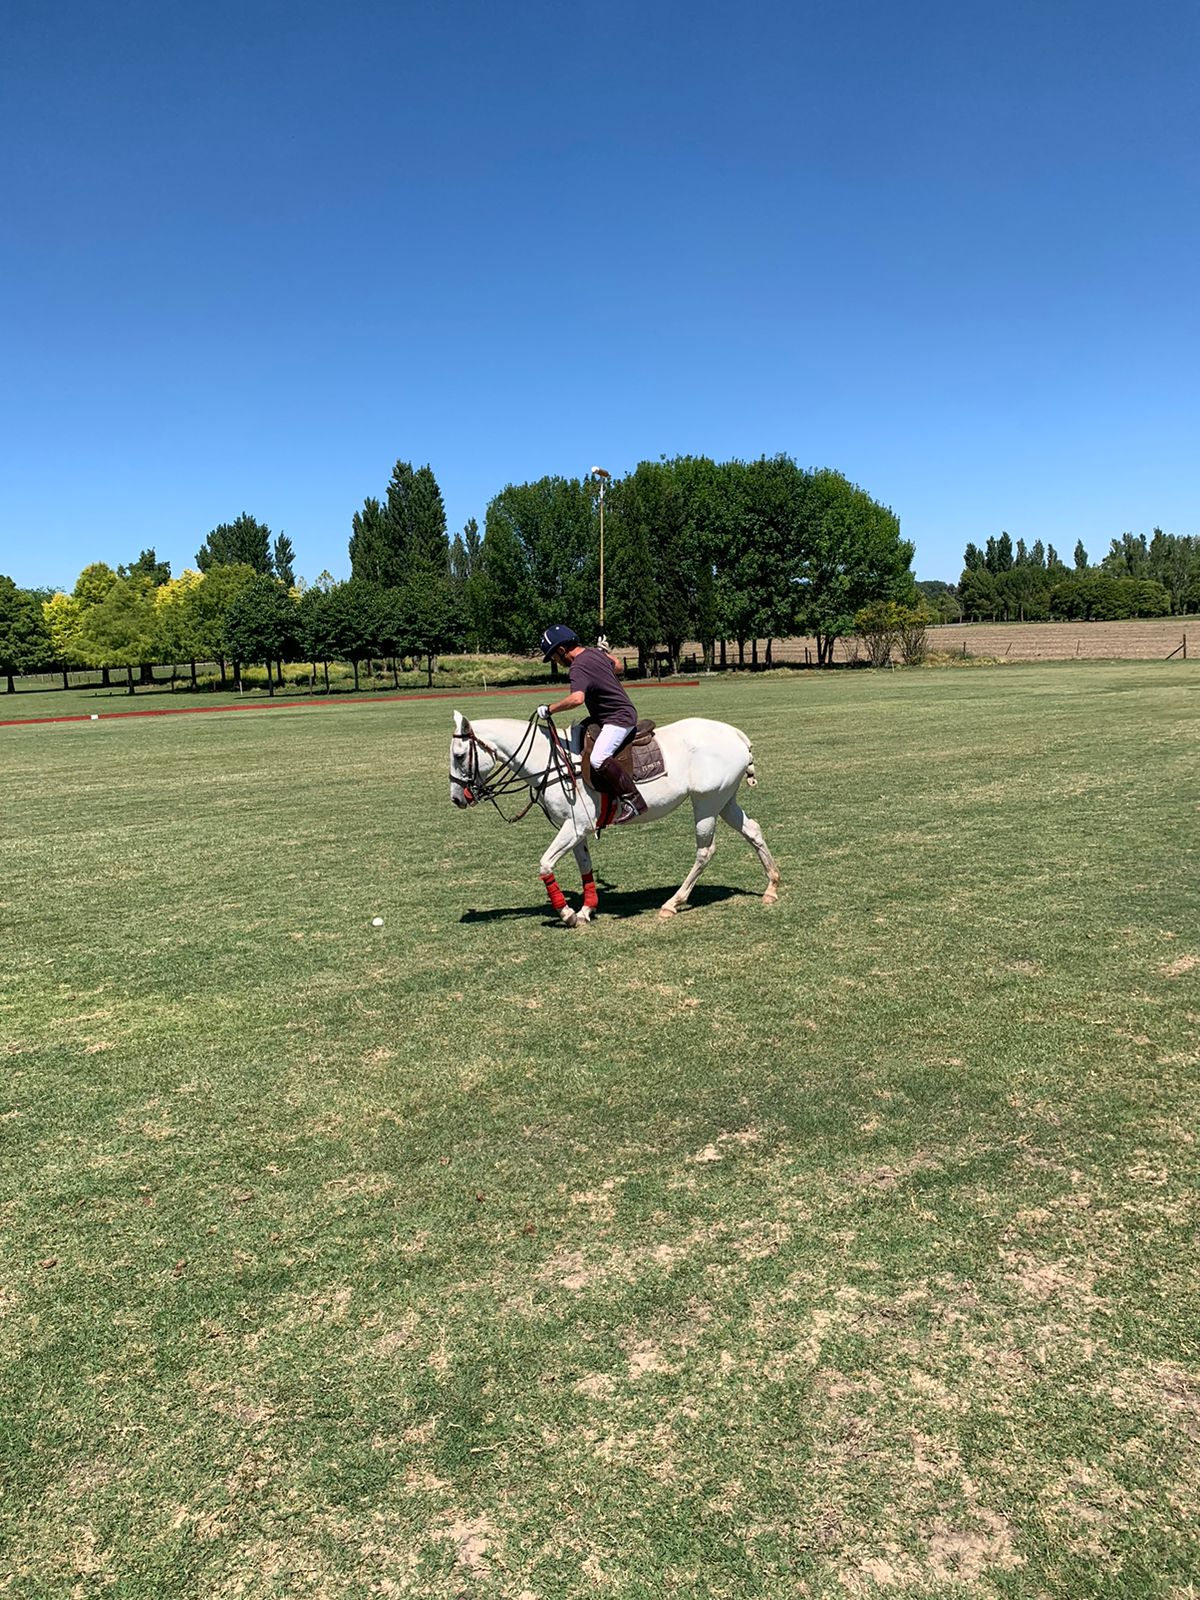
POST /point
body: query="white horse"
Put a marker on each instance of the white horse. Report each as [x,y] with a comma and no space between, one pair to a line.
[704,760]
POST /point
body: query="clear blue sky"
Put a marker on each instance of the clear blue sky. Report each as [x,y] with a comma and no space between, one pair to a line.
[253,253]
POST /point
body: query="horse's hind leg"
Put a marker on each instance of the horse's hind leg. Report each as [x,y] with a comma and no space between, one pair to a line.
[753,834]
[706,828]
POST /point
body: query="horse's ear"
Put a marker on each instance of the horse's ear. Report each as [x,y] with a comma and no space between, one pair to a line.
[460,725]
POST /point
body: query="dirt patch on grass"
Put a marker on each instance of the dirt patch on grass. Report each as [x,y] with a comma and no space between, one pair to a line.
[1183,964]
[472,1540]
[645,1359]
[967,1554]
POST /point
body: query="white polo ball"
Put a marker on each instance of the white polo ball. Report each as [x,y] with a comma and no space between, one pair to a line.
[377,922]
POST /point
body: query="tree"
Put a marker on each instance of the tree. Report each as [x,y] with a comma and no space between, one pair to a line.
[878,626]
[408,529]
[631,615]
[122,630]
[376,556]
[850,553]
[93,583]
[315,630]
[260,625]
[1080,557]
[283,558]
[246,542]
[178,632]
[428,619]
[941,599]
[508,606]
[541,560]
[149,566]
[467,578]
[63,617]
[977,590]
[427,542]
[24,641]
[353,619]
[1098,597]
[207,605]
[998,556]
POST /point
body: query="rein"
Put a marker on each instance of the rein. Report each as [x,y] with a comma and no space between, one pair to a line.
[504,778]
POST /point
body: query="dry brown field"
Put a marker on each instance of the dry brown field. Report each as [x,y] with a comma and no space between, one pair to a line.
[1149,639]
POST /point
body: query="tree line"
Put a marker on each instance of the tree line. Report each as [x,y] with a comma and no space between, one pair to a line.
[1157,576]
[721,553]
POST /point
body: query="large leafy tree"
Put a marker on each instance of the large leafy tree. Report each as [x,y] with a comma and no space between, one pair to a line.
[178,633]
[245,542]
[207,606]
[541,560]
[93,583]
[428,617]
[631,610]
[315,630]
[122,630]
[354,622]
[655,558]
[850,554]
[63,617]
[24,640]
[260,625]
[772,539]
[504,588]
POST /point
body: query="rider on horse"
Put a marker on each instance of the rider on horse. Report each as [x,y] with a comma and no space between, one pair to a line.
[593,675]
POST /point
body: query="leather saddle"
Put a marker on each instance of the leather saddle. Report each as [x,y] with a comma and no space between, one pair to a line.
[641,757]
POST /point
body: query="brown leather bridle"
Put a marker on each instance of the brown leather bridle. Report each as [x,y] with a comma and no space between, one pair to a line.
[503,778]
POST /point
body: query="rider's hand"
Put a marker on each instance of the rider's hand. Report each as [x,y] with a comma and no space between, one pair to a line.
[543,713]
[602,642]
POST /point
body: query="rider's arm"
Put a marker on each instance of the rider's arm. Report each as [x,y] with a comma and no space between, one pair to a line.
[618,665]
[568,704]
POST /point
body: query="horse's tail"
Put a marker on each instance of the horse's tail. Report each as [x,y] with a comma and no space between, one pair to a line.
[751,775]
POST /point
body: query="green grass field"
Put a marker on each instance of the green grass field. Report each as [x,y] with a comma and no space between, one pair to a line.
[842,1247]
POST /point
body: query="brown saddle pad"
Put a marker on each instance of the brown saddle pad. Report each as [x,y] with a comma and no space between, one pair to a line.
[641,757]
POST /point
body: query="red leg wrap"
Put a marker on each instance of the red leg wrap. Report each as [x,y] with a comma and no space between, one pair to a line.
[590,898]
[557,898]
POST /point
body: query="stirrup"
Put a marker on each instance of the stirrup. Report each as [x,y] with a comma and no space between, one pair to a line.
[630,811]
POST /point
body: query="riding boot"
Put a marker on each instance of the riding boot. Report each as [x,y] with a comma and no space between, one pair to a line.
[617,782]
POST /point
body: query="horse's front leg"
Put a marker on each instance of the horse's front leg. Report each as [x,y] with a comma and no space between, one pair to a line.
[591,900]
[563,840]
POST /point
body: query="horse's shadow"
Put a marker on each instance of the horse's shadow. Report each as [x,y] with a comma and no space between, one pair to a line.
[616,903]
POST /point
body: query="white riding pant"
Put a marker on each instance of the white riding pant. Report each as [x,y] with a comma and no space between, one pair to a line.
[608,741]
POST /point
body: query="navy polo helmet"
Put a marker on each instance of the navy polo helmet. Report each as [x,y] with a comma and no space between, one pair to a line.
[557,637]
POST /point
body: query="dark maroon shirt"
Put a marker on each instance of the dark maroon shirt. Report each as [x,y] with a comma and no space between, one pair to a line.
[594,674]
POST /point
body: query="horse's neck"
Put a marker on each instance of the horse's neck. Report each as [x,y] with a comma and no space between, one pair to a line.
[507,736]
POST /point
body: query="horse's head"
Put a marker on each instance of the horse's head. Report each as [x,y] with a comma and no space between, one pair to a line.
[471,759]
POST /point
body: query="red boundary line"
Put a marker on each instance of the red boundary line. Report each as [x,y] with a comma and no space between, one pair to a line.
[314,705]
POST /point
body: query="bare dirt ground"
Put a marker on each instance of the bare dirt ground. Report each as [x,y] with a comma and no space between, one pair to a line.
[1151,639]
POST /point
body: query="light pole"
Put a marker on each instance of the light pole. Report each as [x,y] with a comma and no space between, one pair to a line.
[601,477]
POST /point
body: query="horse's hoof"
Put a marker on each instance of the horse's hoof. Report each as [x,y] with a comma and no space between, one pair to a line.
[583,916]
[666,911]
[770,897]
[569,917]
